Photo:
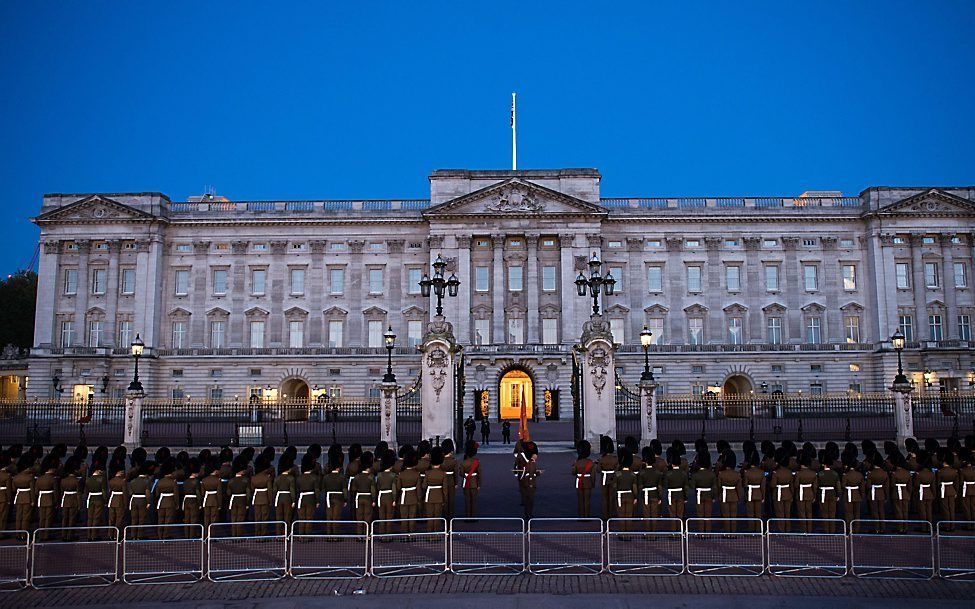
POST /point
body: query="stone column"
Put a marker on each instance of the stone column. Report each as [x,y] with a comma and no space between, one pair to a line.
[676,279]
[198,291]
[357,283]
[498,289]
[84,289]
[464,332]
[277,285]
[315,289]
[238,294]
[387,420]
[834,331]
[921,330]
[754,289]
[716,330]
[636,285]
[598,380]
[133,419]
[568,288]
[950,325]
[112,289]
[531,289]
[903,412]
[794,291]
[49,290]
[439,351]
[648,411]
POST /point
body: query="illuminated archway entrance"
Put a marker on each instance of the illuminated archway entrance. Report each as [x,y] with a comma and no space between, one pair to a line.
[737,386]
[296,389]
[515,388]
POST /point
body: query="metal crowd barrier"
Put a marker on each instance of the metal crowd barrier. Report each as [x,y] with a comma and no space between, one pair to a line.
[72,557]
[335,550]
[162,554]
[487,546]
[806,547]
[401,548]
[247,551]
[565,546]
[892,549]
[725,546]
[645,546]
[14,557]
[956,550]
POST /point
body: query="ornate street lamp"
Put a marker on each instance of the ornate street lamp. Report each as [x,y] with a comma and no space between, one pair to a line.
[390,339]
[645,337]
[137,347]
[594,282]
[897,340]
[440,285]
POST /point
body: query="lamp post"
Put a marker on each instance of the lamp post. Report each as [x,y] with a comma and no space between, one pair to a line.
[137,347]
[594,282]
[645,337]
[897,340]
[441,286]
[390,340]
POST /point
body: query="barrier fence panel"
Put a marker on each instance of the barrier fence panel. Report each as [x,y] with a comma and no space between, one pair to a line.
[725,546]
[956,550]
[162,554]
[337,550]
[247,551]
[645,546]
[14,552]
[895,549]
[565,546]
[806,547]
[80,556]
[487,546]
[402,548]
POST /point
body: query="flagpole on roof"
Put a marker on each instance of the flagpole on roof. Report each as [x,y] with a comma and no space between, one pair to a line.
[514,135]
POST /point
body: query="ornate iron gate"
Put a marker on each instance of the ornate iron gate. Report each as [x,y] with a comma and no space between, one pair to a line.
[578,406]
[459,384]
[627,411]
[409,414]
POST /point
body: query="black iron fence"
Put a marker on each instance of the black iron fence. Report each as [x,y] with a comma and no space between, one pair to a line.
[409,418]
[51,422]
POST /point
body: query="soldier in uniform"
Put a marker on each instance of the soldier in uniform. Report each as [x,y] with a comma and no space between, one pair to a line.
[947,479]
[118,496]
[877,482]
[631,444]
[239,490]
[806,487]
[900,488]
[967,480]
[23,486]
[582,472]
[191,492]
[607,465]
[485,432]
[6,488]
[139,490]
[675,481]
[212,491]
[166,496]
[46,490]
[506,432]
[781,484]
[387,486]
[703,482]
[260,491]
[450,477]
[729,485]
[409,495]
[434,486]
[852,483]
[828,483]
[470,478]
[753,477]
[332,484]
[95,488]
[364,489]
[658,461]
[650,480]
[626,488]
[528,480]
[285,492]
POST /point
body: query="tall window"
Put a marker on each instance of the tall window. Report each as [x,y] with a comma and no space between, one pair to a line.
[617,272]
[695,330]
[548,278]
[903,273]
[932,275]
[124,334]
[296,334]
[179,335]
[616,329]
[70,281]
[550,331]
[964,327]
[375,281]
[375,329]
[852,325]
[934,327]
[414,333]
[774,327]
[336,281]
[257,334]
[258,281]
[906,325]
[67,334]
[218,334]
[961,275]
[734,330]
[413,279]
[516,331]
[733,278]
[772,278]
[693,279]
[810,276]
[480,279]
[814,330]
[335,328]
[655,278]
[849,277]
[514,279]
[297,281]
[128,281]
[219,281]
[482,332]
[181,281]
[95,333]
[98,281]
[656,327]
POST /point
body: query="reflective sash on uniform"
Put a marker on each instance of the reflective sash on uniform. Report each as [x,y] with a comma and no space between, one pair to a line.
[671,491]
[163,496]
[724,492]
[277,496]
[802,491]
[426,496]
[701,490]
[64,495]
[943,485]
[605,474]
[619,497]
[646,493]
[403,491]
[186,497]
[302,495]
[234,496]
[822,492]
[357,495]
[752,487]
[88,500]
[469,476]
[111,496]
[206,495]
[778,490]
[40,494]
[873,491]
[382,492]
[920,491]
[900,490]
[133,498]
[849,493]
[964,487]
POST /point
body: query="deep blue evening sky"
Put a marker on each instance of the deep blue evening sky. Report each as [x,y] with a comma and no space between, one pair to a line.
[363,100]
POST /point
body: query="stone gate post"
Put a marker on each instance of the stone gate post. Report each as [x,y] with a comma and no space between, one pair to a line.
[132,437]
[439,351]
[387,414]
[648,411]
[903,411]
[598,380]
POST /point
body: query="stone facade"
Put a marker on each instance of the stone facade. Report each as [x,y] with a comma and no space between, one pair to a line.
[234,298]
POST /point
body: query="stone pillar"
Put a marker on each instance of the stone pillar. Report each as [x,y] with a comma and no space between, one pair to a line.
[439,351]
[598,380]
[387,414]
[498,290]
[532,287]
[277,284]
[133,419]
[754,289]
[464,332]
[921,332]
[112,289]
[948,287]
[567,287]
[49,290]
[794,291]
[648,411]
[356,283]
[315,289]
[903,412]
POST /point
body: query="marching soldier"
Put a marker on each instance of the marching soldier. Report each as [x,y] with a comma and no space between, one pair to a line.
[470,478]
[521,460]
[676,482]
[239,489]
[332,484]
[651,481]
[780,482]
[703,482]
[626,488]
[806,482]
[434,483]
[23,485]
[166,497]
[967,475]
[95,488]
[753,478]
[528,480]
[409,496]
[828,482]
[607,466]
[729,483]
[364,489]
[46,490]
[118,496]
[261,497]
[947,479]
[212,491]
[582,471]
[877,481]
[387,485]
[450,477]
[285,491]
[852,483]
[191,492]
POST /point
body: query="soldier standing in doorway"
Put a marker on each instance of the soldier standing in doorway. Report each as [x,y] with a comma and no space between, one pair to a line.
[485,432]
[469,427]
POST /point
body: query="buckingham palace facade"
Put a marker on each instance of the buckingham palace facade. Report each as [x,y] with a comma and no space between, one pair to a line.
[291,298]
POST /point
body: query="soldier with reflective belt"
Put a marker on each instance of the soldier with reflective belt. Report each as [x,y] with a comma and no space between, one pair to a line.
[166,496]
[139,498]
[729,488]
[285,491]
[191,493]
[212,491]
[409,496]
[239,489]
[650,480]
[528,481]
[95,489]
[470,478]
[852,483]
[877,483]
[332,485]
[434,486]
[703,482]
[46,490]
[582,472]
[806,487]
[948,481]
[261,498]
[607,465]
[363,489]
[626,488]
[450,477]
[23,487]
[900,489]
[6,488]
[781,484]
[828,483]
[118,496]
[967,475]
[675,481]
[387,486]
[754,482]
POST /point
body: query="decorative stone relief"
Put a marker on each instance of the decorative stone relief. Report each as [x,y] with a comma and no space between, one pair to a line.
[515,199]
[598,363]
[437,363]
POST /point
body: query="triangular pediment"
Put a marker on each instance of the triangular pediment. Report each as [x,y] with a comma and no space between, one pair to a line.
[515,197]
[931,202]
[94,209]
